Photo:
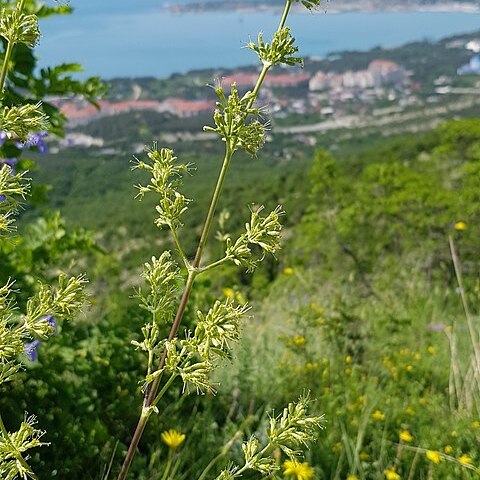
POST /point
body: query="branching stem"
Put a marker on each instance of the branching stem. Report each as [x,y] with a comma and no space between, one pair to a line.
[194,269]
[6,62]
[179,248]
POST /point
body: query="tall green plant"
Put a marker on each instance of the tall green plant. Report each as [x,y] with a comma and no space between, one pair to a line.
[44,310]
[239,124]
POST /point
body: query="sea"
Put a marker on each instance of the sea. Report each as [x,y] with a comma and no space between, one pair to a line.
[125,38]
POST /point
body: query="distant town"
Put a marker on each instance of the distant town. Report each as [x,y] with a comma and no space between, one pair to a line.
[393,86]
[381,79]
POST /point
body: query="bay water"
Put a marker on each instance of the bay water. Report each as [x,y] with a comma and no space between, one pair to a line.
[124,38]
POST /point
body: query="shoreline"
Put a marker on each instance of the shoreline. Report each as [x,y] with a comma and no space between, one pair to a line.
[355,7]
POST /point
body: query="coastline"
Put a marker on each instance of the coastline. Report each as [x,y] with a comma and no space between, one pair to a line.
[360,6]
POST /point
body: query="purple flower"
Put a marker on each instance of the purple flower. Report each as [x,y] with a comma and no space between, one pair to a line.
[3,198]
[30,350]
[3,137]
[48,319]
[11,162]
[36,140]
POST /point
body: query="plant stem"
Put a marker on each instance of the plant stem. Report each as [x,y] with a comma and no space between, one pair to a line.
[179,248]
[213,206]
[152,391]
[215,264]
[285,13]
[224,451]
[8,53]
[6,61]
[169,465]
[261,78]
[194,269]
[142,421]
[164,389]
[468,316]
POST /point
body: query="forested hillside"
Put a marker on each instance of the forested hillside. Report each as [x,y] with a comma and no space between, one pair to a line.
[364,308]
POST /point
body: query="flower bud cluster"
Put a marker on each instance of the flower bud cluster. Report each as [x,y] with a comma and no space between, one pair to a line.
[263,232]
[294,428]
[281,50]
[152,343]
[18,27]
[163,277]
[166,175]
[12,187]
[254,460]
[218,327]
[231,123]
[193,358]
[23,119]
[183,359]
[64,301]
[11,339]
[13,445]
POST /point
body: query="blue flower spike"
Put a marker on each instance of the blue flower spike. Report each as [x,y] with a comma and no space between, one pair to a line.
[30,350]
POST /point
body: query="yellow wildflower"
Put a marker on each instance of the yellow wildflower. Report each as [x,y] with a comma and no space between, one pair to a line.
[423,401]
[460,226]
[301,471]
[465,459]
[348,359]
[410,411]
[434,456]
[229,293]
[448,449]
[172,438]
[317,309]
[352,477]
[299,340]
[378,415]
[409,368]
[363,456]
[431,350]
[338,447]
[391,474]
[406,436]
[476,424]
[239,297]
[288,271]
